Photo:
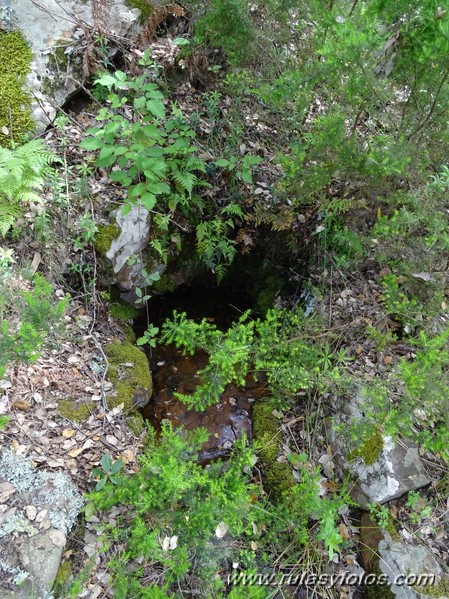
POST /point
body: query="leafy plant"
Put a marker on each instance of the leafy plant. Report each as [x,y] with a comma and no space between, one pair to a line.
[108,471]
[149,336]
[190,523]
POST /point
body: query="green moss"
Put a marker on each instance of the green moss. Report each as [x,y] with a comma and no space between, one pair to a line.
[128,332]
[435,590]
[370,449]
[130,373]
[272,286]
[75,411]
[164,285]
[123,311]
[145,7]
[15,103]
[278,475]
[104,238]
[62,578]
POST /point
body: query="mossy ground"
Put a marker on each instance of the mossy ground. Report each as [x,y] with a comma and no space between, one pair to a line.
[130,373]
[62,578]
[441,589]
[15,103]
[104,237]
[75,411]
[278,475]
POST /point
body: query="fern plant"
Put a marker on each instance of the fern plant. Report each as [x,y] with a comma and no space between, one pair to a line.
[23,171]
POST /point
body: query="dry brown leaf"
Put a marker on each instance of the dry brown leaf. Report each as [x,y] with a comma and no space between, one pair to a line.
[67,433]
[22,405]
[73,453]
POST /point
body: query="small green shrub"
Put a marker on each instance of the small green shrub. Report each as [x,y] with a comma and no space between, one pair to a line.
[185,524]
[272,345]
[27,320]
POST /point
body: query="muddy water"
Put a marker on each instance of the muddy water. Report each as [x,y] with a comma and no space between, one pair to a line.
[174,372]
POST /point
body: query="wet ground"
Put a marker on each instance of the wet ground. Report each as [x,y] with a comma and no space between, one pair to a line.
[174,372]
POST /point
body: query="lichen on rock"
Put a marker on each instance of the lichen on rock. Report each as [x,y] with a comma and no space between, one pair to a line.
[130,372]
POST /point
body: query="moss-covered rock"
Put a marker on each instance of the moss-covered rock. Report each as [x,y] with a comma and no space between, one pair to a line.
[123,311]
[145,7]
[104,237]
[278,475]
[370,449]
[62,578]
[75,410]
[130,372]
[15,103]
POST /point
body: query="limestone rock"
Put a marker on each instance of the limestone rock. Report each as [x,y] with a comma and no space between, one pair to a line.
[58,32]
[43,508]
[393,470]
[134,236]
[399,558]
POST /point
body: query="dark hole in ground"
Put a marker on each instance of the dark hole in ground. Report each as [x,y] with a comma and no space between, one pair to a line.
[175,372]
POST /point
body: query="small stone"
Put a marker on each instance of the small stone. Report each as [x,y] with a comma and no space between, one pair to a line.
[57,537]
[6,490]
[31,512]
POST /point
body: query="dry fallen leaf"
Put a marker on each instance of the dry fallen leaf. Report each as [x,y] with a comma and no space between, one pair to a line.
[67,433]
[22,405]
[73,453]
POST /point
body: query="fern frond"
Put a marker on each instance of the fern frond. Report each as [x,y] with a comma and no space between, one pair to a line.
[8,215]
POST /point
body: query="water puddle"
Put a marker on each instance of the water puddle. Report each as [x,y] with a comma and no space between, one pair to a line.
[174,372]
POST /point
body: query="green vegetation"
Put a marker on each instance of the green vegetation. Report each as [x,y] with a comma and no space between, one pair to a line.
[23,171]
[270,345]
[75,411]
[123,311]
[277,475]
[184,514]
[29,319]
[305,135]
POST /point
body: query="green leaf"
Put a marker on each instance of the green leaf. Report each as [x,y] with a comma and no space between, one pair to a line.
[116,466]
[181,41]
[100,484]
[158,188]
[106,80]
[222,162]
[106,462]
[157,108]
[149,201]
[92,143]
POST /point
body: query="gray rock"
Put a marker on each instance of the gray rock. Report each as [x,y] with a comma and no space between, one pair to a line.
[401,559]
[134,236]
[43,506]
[58,32]
[397,470]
